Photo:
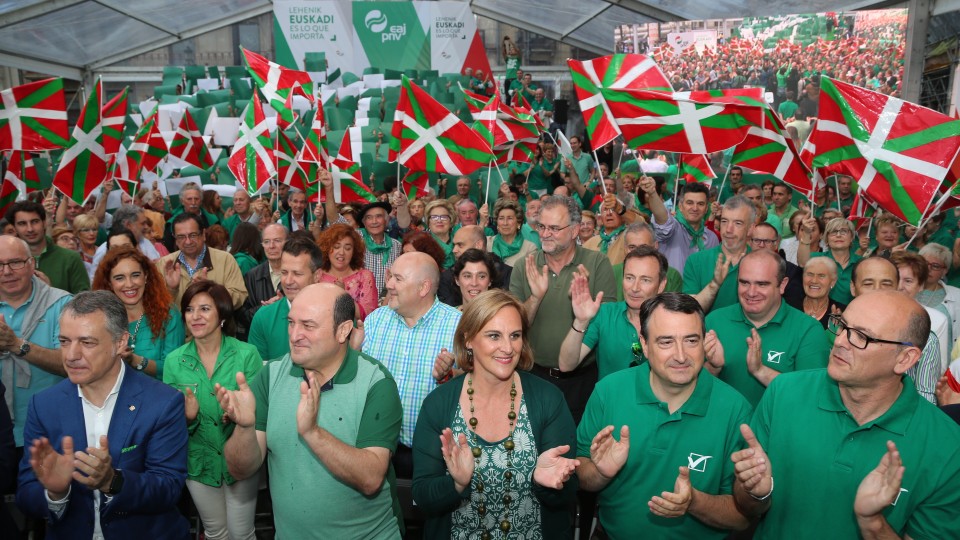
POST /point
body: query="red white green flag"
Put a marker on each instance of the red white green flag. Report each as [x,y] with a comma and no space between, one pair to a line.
[114,114]
[767,148]
[696,168]
[277,82]
[9,192]
[348,183]
[315,147]
[862,210]
[22,172]
[251,160]
[129,187]
[33,117]
[511,135]
[415,184]
[188,144]
[83,166]
[147,149]
[616,71]
[899,152]
[686,122]
[428,137]
[475,102]
[289,171]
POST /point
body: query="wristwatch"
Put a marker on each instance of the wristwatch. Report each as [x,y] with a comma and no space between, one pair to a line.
[116,484]
[24,349]
[142,364]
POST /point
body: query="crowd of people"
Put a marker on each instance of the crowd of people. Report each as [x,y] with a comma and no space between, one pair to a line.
[590,341]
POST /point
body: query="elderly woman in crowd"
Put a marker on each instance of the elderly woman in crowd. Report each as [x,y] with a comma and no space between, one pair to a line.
[508,243]
[503,463]
[63,236]
[886,232]
[154,324]
[588,226]
[840,235]
[936,293]
[226,505]
[819,278]
[343,250]
[440,215]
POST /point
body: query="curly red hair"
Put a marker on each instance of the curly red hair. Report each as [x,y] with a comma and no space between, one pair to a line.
[424,242]
[156,298]
[334,234]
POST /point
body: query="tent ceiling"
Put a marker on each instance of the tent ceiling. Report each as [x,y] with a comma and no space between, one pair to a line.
[67,37]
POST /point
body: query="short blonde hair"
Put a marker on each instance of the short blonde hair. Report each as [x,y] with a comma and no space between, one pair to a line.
[85,221]
[839,223]
[480,311]
[440,203]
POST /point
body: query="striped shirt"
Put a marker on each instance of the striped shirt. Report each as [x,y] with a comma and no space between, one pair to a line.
[409,353]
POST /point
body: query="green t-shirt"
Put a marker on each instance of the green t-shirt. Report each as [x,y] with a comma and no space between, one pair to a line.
[782,223]
[700,435]
[820,455]
[612,335]
[787,109]
[555,313]
[268,330]
[841,291]
[583,165]
[698,272]
[512,64]
[790,341]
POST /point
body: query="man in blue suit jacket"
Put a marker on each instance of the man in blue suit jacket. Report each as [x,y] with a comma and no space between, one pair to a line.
[129,430]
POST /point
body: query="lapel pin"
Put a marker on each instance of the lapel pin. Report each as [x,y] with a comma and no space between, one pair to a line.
[133,407]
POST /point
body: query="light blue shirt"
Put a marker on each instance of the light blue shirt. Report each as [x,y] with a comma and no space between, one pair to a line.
[409,353]
[46,335]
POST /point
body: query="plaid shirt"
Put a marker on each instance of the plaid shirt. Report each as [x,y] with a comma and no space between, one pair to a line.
[374,263]
[409,353]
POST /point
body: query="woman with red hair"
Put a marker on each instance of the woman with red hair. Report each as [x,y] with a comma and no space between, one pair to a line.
[342,249]
[154,323]
[424,242]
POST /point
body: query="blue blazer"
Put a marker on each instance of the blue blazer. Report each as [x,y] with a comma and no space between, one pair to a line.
[148,442]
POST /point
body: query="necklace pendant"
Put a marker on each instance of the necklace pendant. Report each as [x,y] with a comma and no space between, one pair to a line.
[477,451]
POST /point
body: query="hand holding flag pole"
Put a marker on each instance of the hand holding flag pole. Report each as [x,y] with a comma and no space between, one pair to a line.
[597,161]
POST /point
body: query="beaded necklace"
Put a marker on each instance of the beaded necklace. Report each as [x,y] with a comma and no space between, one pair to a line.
[478,486]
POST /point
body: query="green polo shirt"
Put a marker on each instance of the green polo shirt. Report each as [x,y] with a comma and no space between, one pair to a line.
[529,234]
[701,435]
[790,341]
[819,467]
[583,165]
[674,281]
[612,335]
[782,223]
[555,314]
[841,291]
[64,268]
[698,272]
[268,330]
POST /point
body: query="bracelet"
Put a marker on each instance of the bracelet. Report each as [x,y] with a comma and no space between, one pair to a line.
[574,328]
[765,497]
[142,364]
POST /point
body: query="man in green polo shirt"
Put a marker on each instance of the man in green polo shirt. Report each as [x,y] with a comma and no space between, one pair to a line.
[63,267]
[613,328]
[782,209]
[681,418]
[856,452]
[642,234]
[299,267]
[761,335]
[338,453]
[710,275]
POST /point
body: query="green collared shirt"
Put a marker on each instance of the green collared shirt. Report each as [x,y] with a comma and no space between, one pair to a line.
[268,330]
[698,272]
[612,335]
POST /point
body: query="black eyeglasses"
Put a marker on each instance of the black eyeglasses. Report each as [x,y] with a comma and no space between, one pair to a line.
[541,228]
[16,264]
[856,337]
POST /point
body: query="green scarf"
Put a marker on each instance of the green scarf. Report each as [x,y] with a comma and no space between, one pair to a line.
[605,238]
[504,250]
[447,250]
[696,237]
[377,249]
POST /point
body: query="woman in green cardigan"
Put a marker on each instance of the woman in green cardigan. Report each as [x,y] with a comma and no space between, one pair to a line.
[226,506]
[493,449]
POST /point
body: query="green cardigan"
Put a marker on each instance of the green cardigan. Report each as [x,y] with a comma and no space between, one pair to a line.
[433,488]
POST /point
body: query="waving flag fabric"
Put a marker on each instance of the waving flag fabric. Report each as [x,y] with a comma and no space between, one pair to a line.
[767,148]
[188,145]
[33,117]
[278,83]
[83,166]
[114,114]
[252,160]
[696,168]
[348,183]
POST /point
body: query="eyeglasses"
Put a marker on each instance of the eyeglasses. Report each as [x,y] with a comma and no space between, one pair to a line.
[936,266]
[839,232]
[16,264]
[191,236]
[763,241]
[856,337]
[439,218]
[541,228]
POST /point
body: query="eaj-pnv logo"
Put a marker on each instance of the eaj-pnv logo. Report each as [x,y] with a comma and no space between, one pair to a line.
[376,22]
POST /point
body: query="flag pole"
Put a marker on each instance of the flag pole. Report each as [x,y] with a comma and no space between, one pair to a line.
[676,181]
[486,197]
[597,161]
[936,209]
[836,186]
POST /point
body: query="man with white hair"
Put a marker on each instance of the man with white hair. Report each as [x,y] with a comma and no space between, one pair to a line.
[132,218]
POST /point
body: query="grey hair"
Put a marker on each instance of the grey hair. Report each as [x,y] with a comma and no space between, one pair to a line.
[739,201]
[89,302]
[941,253]
[553,201]
[640,226]
[127,214]
[192,186]
[826,262]
[463,201]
